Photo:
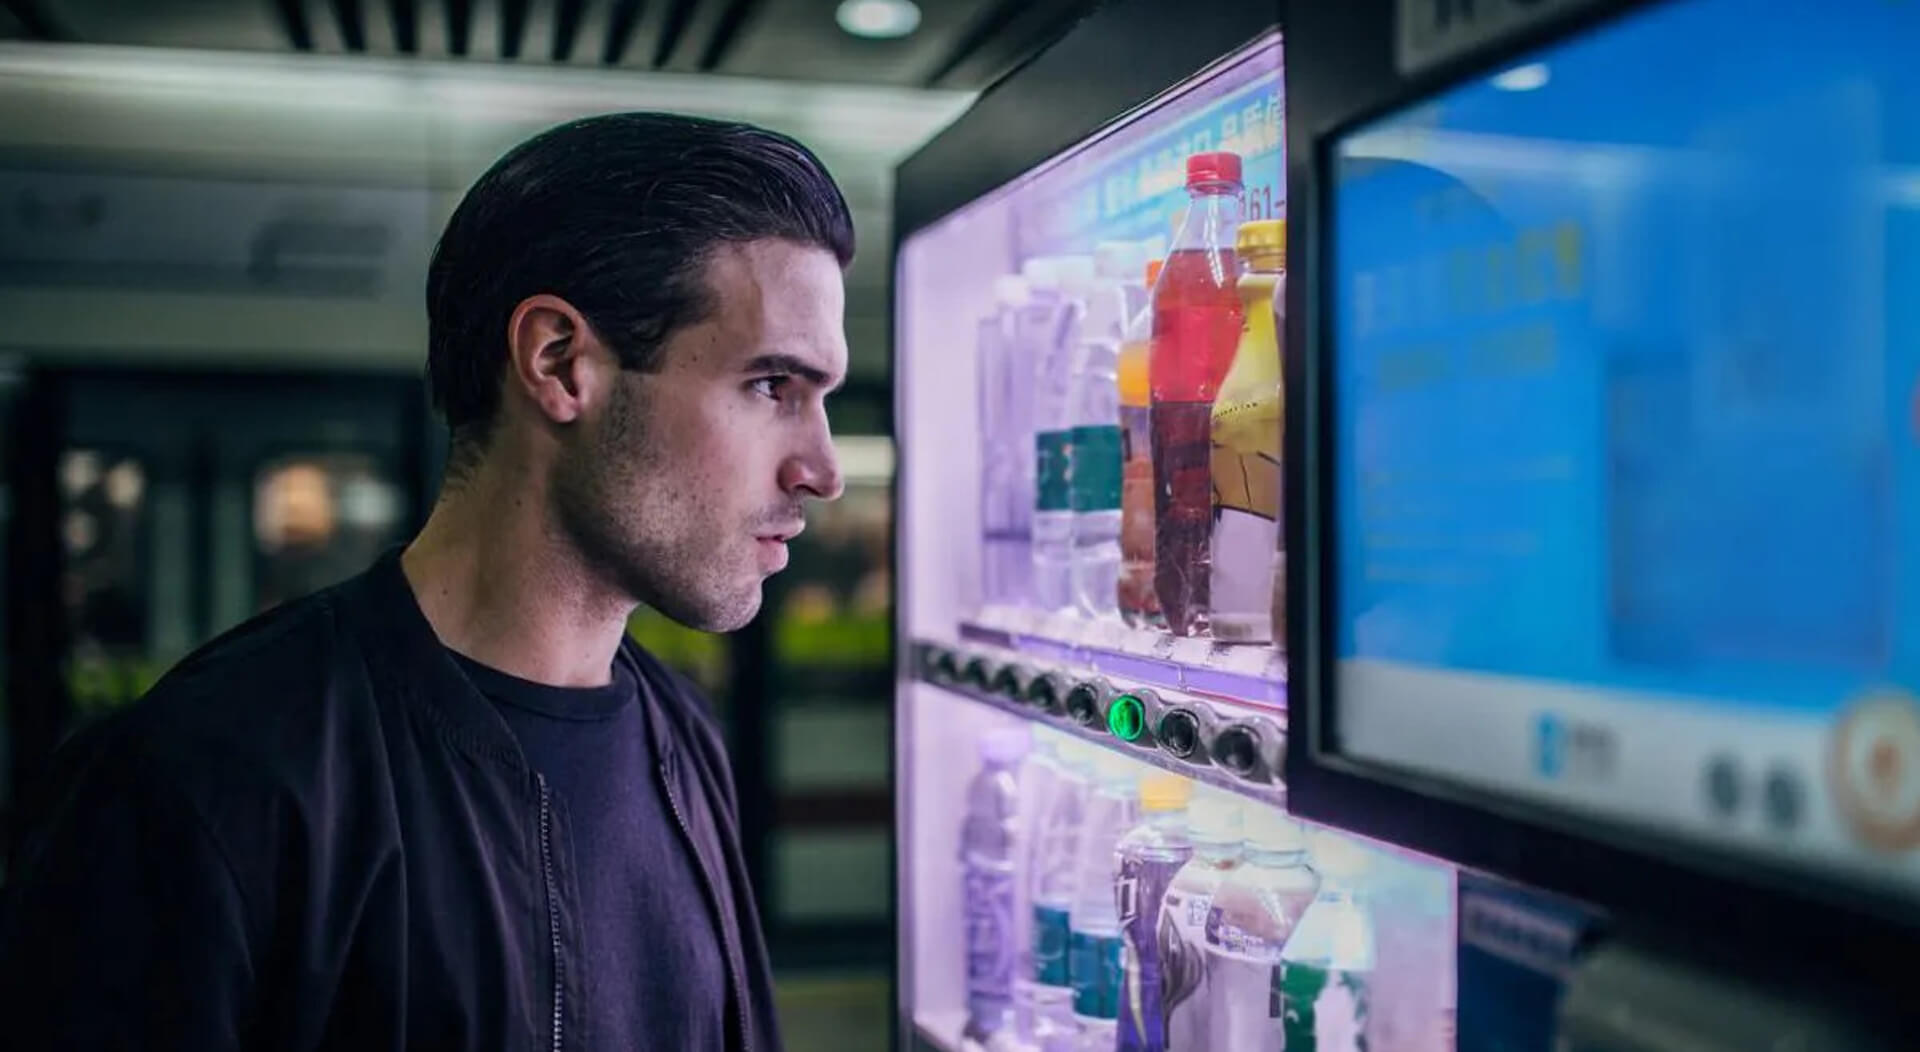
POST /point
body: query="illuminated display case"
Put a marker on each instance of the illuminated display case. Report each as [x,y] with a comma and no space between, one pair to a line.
[1014,540]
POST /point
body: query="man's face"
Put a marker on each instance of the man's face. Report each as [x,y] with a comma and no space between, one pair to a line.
[685,485]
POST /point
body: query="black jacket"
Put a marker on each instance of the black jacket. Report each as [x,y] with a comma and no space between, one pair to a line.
[315,834]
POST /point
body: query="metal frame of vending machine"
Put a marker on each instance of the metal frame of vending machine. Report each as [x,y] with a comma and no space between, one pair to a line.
[1215,714]
[1681,906]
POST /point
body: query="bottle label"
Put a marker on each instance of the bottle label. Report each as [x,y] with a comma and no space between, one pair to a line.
[1095,969]
[1326,1009]
[1246,417]
[1246,994]
[1138,894]
[1183,969]
[990,956]
[1053,451]
[1095,476]
[1050,939]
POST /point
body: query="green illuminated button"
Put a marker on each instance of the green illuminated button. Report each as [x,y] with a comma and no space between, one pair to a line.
[1127,718]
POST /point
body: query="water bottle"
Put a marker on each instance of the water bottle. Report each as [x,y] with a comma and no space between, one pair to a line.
[1049,334]
[1094,481]
[1053,855]
[987,840]
[1148,857]
[1006,461]
[1254,911]
[1327,966]
[1214,830]
[1095,954]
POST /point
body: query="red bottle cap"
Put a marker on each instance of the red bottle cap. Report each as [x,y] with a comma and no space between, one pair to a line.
[1220,166]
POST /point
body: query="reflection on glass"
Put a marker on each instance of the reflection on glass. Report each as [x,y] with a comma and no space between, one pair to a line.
[832,607]
[318,520]
[103,528]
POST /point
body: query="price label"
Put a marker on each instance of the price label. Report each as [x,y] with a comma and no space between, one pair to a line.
[1191,651]
[1243,659]
[1108,635]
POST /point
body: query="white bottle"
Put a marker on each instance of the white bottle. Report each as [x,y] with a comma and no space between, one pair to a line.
[1215,830]
[1255,910]
[1328,964]
[1006,450]
[1095,407]
[1095,956]
[1049,334]
[1051,875]
[987,854]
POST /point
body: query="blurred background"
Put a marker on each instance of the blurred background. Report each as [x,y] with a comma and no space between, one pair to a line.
[215,219]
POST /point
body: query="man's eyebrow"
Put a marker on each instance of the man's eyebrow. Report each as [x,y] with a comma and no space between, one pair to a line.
[788,363]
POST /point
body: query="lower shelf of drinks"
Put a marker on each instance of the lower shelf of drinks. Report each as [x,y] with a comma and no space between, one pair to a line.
[1254,674]
[1233,746]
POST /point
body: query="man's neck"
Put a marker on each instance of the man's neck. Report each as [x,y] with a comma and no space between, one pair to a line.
[500,585]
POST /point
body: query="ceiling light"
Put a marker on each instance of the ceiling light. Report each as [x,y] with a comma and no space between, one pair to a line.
[879,19]
[1529,77]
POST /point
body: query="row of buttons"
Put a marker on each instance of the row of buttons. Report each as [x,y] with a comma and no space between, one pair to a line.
[1249,747]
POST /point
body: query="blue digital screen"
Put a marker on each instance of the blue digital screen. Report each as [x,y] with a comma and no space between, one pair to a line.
[1625,353]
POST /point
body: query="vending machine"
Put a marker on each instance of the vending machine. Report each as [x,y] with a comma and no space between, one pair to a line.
[1602,442]
[1096,848]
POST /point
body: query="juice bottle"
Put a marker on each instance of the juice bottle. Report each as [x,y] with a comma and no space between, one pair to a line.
[1196,326]
[1246,449]
[1139,607]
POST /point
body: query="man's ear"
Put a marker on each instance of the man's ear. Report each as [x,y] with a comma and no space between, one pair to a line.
[552,357]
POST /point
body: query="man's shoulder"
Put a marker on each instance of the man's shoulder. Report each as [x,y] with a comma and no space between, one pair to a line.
[239,708]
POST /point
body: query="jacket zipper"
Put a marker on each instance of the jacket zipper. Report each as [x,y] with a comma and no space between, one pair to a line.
[553,907]
[739,981]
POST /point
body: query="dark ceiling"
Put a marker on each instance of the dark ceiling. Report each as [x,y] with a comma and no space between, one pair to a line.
[961,44]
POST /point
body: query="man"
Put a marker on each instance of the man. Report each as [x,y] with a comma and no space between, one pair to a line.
[448,804]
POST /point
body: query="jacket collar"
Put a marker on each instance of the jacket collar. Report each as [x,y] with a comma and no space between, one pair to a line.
[408,660]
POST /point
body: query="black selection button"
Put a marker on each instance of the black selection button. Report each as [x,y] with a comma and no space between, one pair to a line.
[1083,704]
[1044,693]
[1786,799]
[1723,785]
[1179,733]
[1238,750]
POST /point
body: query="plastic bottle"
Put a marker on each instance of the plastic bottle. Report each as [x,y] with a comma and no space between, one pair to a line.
[1254,912]
[1006,462]
[1328,963]
[1139,606]
[987,840]
[1196,326]
[1095,407]
[1148,857]
[1094,960]
[1214,828]
[1051,873]
[1049,335]
[1246,449]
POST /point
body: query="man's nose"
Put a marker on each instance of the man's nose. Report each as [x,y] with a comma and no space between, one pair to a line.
[814,474]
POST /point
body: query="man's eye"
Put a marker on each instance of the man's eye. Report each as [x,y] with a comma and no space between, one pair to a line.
[770,386]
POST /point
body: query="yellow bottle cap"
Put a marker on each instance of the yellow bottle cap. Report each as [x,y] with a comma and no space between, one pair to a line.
[1164,792]
[1263,238]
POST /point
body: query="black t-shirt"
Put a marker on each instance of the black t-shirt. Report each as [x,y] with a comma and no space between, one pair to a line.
[656,975]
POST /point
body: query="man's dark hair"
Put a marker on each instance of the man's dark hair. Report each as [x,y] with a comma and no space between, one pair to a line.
[618,215]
